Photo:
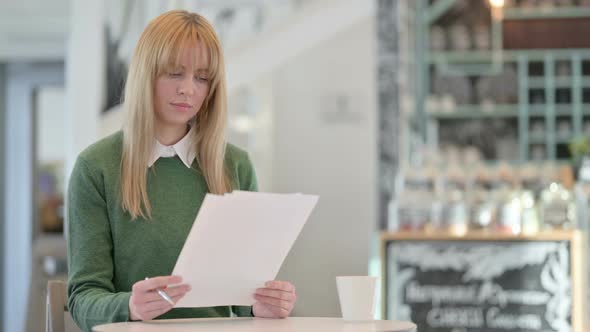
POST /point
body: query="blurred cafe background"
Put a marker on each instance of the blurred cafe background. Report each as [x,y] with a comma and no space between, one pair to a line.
[431,130]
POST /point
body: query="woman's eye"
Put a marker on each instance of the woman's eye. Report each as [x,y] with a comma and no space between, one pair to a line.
[201,78]
[174,74]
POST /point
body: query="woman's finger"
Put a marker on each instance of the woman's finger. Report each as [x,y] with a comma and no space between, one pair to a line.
[155,305]
[277,311]
[155,313]
[178,297]
[156,282]
[172,292]
[280,285]
[277,294]
[274,302]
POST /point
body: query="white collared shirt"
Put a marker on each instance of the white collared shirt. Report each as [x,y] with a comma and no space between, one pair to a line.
[182,148]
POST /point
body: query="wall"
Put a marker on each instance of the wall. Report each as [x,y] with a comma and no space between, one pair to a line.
[325,143]
[250,126]
[111,121]
[2,182]
[50,125]
[33,30]
[85,77]
[22,80]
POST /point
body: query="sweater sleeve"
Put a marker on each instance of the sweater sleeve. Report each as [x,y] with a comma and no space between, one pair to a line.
[92,298]
[247,174]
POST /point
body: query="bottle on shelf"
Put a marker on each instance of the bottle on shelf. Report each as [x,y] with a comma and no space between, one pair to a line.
[531,184]
[456,87]
[537,128]
[455,212]
[433,104]
[537,97]
[531,179]
[538,152]
[459,37]
[482,37]
[416,200]
[528,3]
[545,3]
[499,89]
[557,207]
[563,69]
[483,207]
[506,193]
[509,212]
[564,128]
[438,39]
[530,223]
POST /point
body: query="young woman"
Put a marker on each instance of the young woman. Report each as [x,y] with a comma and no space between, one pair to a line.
[133,196]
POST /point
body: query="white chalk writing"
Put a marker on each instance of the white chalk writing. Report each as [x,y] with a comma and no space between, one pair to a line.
[479,263]
[436,294]
[494,294]
[455,317]
[489,292]
[496,319]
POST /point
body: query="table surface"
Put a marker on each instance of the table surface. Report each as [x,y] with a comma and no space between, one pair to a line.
[239,324]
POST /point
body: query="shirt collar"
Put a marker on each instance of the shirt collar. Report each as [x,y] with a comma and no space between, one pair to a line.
[183,148]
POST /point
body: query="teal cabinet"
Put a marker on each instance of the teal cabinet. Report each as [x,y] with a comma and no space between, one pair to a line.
[542,94]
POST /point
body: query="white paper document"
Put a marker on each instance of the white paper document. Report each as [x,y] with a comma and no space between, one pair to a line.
[238,242]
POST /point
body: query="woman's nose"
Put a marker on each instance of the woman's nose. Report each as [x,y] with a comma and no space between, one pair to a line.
[186,87]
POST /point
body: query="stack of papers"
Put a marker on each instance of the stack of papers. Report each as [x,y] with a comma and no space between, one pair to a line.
[238,242]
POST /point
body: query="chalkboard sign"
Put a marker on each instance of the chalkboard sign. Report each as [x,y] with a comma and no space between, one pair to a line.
[508,283]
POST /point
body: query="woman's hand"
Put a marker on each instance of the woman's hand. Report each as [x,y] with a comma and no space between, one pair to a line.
[145,303]
[276,300]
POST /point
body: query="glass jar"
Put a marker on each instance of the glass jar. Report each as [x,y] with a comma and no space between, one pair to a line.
[509,212]
[416,201]
[530,216]
[483,211]
[455,210]
[557,207]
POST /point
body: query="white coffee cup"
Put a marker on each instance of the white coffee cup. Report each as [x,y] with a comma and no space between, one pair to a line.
[358,297]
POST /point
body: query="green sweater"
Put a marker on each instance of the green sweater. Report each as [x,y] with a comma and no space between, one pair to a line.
[108,252]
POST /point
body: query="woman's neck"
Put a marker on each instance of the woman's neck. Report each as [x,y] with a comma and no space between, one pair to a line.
[169,135]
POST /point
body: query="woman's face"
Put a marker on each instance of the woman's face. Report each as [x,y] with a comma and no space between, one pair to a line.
[181,91]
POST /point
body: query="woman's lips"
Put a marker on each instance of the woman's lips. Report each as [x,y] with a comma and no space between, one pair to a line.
[181,106]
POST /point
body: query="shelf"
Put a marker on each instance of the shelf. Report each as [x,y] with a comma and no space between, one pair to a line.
[542,139]
[505,111]
[563,140]
[476,235]
[537,110]
[564,110]
[467,57]
[545,13]
[559,82]
[477,112]
[560,109]
[537,139]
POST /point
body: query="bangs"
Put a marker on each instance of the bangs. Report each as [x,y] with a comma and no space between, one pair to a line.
[188,39]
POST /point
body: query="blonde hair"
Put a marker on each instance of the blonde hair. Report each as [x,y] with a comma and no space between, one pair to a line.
[157,52]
